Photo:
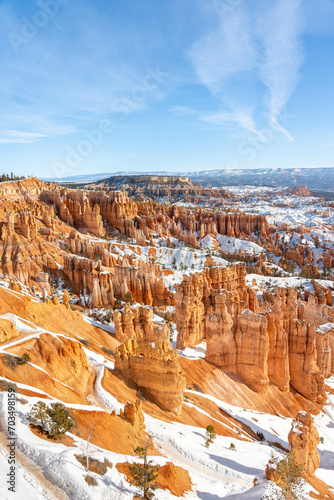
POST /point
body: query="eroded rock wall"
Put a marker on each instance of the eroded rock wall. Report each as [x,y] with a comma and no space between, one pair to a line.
[280,339]
[155,370]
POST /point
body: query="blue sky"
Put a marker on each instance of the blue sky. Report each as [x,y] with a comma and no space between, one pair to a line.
[180,85]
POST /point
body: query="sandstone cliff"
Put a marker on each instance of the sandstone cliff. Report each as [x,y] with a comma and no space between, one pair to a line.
[271,341]
[303,439]
[155,370]
[137,324]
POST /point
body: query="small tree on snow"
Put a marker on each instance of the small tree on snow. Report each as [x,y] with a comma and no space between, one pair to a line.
[289,477]
[60,420]
[210,435]
[39,413]
[55,420]
[143,475]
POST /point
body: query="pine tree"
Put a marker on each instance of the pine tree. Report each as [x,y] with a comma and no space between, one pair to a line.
[288,476]
[143,475]
[39,413]
[210,435]
[60,420]
[25,358]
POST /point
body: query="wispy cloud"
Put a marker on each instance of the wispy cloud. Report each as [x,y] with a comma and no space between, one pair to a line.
[242,118]
[253,44]
[75,68]
[19,136]
[279,31]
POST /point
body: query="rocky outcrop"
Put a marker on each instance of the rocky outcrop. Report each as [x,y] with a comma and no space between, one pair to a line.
[145,284]
[155,369]
[197,296]
[300,191]
[283,339]
[8,330]
[303,440]
[63,359]
[88,275]
[305,375]
[190,311]
[252,348]
[25,253]
[137,324]
[133,413]
[77,209]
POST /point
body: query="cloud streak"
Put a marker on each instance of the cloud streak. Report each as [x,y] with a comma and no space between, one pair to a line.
[251,60]
[280,36]
[19,137]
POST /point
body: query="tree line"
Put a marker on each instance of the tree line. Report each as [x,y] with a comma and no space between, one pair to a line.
[11,177]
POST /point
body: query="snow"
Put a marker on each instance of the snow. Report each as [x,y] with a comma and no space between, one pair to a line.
[106,328]
[196,352]
[327,327]
[233,245]
[19,323]
[218,471]
[108,401]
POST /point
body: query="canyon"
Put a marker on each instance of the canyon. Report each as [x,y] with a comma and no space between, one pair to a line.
[152,319]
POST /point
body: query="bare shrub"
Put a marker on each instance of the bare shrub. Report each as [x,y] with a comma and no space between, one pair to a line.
[90,480]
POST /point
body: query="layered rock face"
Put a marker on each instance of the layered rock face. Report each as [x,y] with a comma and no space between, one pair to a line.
[282,340]
[84,274]
[8,330]
[304,439]
[76,209]
[161,186]
[64,359]
[24,255]
[133,413]
[183,223]
[144,284]
[137,324]
[252,348]
[37,233]
[197,296]
[155,370]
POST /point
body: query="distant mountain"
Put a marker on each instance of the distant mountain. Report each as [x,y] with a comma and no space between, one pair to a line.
[85,179]
[318,178]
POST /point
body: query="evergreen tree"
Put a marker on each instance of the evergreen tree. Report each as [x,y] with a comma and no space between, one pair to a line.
[60,420]
[5,177]
[210,435]
[143,475]
[25,358]
[39,413]
[289,477]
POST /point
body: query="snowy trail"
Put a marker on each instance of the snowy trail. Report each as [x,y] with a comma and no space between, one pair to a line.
[104,398]
[208,469]
[20,323]
[19,341]
[32,483]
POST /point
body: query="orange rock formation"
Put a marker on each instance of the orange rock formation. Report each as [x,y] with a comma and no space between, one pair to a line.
[271,341]
[155,369]
[137,324]
[303,440]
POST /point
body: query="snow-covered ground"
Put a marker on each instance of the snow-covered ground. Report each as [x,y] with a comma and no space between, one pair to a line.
[216,472]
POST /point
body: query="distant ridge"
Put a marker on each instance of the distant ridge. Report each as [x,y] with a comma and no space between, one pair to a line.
[317,178]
